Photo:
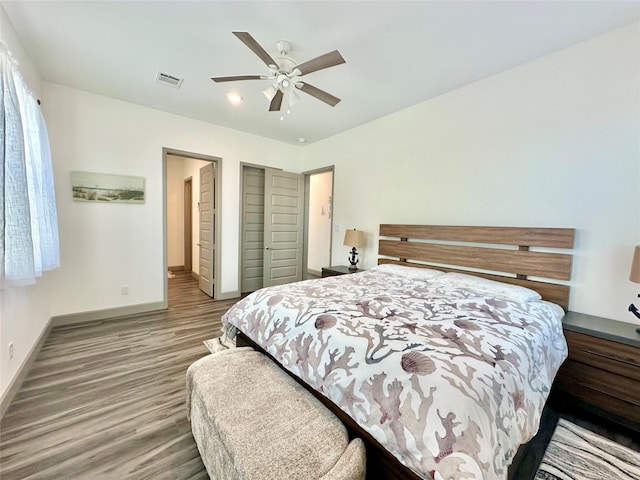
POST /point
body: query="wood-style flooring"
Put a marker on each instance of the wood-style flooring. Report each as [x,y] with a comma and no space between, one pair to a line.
[106,399]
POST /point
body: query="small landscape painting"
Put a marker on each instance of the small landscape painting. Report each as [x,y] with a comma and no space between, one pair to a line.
[102,187]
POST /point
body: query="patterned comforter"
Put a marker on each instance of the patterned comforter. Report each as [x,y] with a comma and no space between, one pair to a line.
[451,381]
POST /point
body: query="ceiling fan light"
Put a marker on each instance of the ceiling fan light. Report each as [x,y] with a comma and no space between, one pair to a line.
[270,92]
[234,98]
[293,98]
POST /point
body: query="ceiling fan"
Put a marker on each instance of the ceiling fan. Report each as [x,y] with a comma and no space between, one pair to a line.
[286,74]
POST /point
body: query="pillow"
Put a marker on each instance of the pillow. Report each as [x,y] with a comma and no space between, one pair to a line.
[506,291]
[410,272]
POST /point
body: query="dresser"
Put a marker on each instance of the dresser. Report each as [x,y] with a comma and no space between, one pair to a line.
[602,372]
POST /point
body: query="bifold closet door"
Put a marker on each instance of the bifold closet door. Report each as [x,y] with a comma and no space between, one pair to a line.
[283,227]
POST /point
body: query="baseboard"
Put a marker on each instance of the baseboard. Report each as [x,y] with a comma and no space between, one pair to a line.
[90,316]
[178,268]
[10,392]
[195,275]
[229,295]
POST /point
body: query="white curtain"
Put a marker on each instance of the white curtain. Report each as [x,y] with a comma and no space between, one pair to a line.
[28,210]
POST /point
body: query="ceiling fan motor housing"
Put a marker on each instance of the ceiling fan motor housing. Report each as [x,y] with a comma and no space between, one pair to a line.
[283,47]
[285,64]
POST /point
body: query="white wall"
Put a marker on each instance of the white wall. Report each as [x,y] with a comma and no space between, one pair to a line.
[13,43]
[320,206]
[552,143]
[175,211]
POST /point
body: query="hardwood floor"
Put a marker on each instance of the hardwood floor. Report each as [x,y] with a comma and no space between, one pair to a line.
[106,399]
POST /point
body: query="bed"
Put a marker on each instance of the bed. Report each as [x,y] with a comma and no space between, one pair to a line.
[442,370]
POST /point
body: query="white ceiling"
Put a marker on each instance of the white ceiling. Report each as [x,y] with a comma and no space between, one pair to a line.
[397,53]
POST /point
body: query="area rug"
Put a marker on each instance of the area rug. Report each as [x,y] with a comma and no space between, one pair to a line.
[578,454]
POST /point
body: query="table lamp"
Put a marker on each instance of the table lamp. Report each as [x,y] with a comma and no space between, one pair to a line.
[354,238]
[634,276]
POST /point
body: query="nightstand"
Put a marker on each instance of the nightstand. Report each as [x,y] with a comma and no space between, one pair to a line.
[602,373]
[338,270]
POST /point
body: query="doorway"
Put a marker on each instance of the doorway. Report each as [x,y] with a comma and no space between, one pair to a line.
[318,220]
[188,223]
[185,225]
[271,227]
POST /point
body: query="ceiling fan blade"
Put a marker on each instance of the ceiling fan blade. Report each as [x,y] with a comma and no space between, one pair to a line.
[237,77]
[327,60]
[319,94]
[255,47]
[276,102]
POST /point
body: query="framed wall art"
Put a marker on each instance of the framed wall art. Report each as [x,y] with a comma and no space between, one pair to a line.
[102,187]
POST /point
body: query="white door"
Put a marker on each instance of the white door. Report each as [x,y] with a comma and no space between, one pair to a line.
[207,211]
[283,227]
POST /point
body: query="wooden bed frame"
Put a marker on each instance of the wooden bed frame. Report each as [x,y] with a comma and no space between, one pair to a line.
[502,253]
[497,253]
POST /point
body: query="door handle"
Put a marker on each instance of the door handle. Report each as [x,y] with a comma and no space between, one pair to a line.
[266,248]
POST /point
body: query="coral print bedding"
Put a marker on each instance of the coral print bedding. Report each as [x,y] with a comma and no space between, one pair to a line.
[450,375]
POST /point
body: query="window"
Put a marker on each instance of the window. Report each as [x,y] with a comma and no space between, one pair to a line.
[28,218]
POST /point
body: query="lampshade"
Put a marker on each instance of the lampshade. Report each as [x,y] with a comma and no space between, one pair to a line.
[293,98]
[354,238]
[634,276]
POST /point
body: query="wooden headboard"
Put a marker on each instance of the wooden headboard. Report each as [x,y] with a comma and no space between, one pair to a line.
[489,249]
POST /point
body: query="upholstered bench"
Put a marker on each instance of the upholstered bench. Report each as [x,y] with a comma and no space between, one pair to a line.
[252,421]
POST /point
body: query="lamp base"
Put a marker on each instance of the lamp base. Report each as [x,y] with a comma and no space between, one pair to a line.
[633,309]
[353,260]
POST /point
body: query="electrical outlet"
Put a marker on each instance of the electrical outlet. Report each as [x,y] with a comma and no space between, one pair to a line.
[124,290]
[10,350]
